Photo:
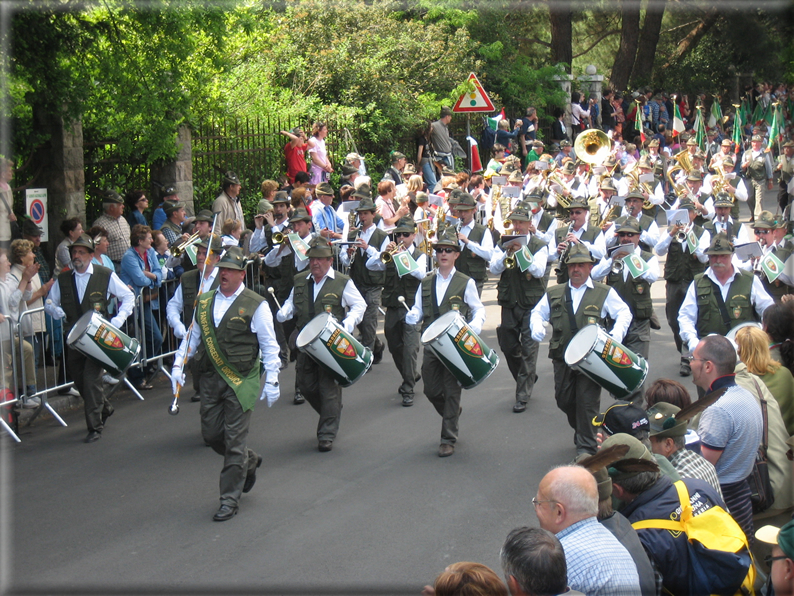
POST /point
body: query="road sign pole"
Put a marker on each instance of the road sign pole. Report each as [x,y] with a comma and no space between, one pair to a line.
[468,134]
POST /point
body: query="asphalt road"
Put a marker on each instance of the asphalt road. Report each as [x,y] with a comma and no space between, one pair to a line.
[381,513]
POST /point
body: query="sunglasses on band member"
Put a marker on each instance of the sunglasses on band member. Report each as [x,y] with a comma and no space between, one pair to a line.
[445,250]
[402,234]
[626,234]
[761,232]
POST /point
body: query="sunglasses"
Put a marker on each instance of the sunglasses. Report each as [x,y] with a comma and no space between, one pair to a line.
[402,234]
[445,250]
[761,232]
[626,234]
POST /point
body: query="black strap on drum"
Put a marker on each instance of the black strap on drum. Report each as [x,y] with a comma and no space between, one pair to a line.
[571,315]
[721,303]
[311,293]
[76,294]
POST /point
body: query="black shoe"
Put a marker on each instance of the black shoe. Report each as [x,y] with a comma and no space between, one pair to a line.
[519,407]
[377,352]
[93,436]
[195,397]
[298,399]
[250,479]
[686,369]
[445,450]
[325,446]
[654,322]
[107,414]
[408,401]
[225,512]
[284,364]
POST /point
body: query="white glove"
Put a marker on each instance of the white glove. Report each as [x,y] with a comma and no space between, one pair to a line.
[180,332]
[117,321]
[61,314]
[348,325]
[177,378]
[272,392]
[539,336]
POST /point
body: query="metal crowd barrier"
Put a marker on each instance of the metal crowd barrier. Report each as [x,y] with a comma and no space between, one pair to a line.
[8,404]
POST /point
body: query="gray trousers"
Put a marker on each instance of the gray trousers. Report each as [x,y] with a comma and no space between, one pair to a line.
[638,340]
[87,377]
[755,197]
[369,324]
[580,399]
[443,391]
[224,427]
[322,392]
[520,350]
[403,341]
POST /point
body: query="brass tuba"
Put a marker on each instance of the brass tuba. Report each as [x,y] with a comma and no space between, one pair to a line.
[592,146]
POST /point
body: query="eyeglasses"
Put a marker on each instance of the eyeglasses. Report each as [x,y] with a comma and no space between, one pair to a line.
[402,234]
[769,559]
[693,359]
[537,503]
[761,232]
[445,250]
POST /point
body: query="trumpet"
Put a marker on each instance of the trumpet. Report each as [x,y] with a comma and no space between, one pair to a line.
[510,262]
[681,236]
[179,249]
[617,266]
[279,237]
[570,244]
[387,256]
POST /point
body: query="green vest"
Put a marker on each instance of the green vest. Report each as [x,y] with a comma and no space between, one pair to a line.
[329,298]
[359,273]
[453,298]
[280,276]
[171,226]
[470,264]
[559,315]
[734,228]
[738,305]
[399,286]
[645,224]
[756,170]
[682,267]
[94,298]
[786,170]
[560,233]
[516,288]
[777,289]
[190,285]
[545,220]
[239,346]
[635,292]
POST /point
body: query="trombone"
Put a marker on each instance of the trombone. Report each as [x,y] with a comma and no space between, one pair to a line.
[179,249]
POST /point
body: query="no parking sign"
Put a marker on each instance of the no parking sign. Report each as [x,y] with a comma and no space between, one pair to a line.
[36,208]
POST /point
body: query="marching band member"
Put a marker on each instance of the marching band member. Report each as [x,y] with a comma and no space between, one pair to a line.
[443,290]
[633,208]
[680,269]
[476,243]
[367,272]
[84,288]
[577,232]
[233,325]
[179,310]
[322,289]
[569,307]
[765,227]
[599,204]
[402,339]
[517,293]
[730,183]
[724,223]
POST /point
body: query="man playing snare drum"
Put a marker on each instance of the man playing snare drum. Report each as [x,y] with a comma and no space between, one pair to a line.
[76,291]
[322,290]
[444,290]
[570,307]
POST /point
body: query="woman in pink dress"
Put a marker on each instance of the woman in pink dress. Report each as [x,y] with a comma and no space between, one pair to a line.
[321,167]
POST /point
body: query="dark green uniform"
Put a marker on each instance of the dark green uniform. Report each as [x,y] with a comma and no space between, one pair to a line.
[470,264]
[370,285]
[739,309]
[576,395]
[314,383]
[589,235]
[777,289]
[680,269]
[517,294]
[86,372]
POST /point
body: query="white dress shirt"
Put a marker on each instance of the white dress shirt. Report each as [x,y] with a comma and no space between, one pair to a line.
[261,325]
[536,269]
[176,305]
[372,253]
[482,250]
[602,269]
[259,241]
[351,300]
[614,307]
[663,246]
[649,236]
[273,258]
[470,297]
[688,313]
[116,288]
[597,248]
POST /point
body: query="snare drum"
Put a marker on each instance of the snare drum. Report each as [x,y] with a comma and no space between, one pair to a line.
[460,349]
[333,348]
[94,337]
[606,361]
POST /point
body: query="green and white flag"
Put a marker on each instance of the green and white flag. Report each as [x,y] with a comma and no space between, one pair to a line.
[298,245]
[404,263]
[715,115]
[636,265]
[524,258]
[692,241]
[190,251]
[772,266]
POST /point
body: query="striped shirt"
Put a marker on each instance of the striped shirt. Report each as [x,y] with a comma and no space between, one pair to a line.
[118,235]
[598,564]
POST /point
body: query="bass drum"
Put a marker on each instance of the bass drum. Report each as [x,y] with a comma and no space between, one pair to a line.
[461,350]
[327,343]
[606,361]
[731,335]
[94,337]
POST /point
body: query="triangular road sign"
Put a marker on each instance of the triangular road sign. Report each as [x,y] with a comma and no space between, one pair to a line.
[474,101]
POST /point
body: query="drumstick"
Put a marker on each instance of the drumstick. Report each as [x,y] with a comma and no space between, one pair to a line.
[273,293]
[401,300]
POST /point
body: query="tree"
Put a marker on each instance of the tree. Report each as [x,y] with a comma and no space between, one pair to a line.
[629,40]
[648,42]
